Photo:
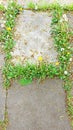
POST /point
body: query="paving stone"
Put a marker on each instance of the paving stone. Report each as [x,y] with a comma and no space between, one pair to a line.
[25,2]
[62,2]
[2,91]
[33,38]
[37,106]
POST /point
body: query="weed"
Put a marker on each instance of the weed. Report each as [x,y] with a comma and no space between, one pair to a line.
[68,7]
[61,34]
[31,5]
[42,5]
[2,8]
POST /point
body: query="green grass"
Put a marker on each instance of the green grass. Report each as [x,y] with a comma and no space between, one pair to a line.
[61,34]
[29,72]
[42,6]
[46,6]
[2,8]
[31,5]
[4,124]
[68,7]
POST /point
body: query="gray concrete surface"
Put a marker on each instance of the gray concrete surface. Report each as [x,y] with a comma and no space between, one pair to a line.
[33,39]
[37,106]
[2,91]
[62,2]
[25,2]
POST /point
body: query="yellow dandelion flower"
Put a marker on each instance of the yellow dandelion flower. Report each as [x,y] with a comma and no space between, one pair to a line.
[57,63]
[8,29]
[68,53]
[20,9]
[40,58]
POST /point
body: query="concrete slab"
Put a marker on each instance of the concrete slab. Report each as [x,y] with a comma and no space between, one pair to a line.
[62,2]
[2,91]
[25,2]
[33,39]
[37,106]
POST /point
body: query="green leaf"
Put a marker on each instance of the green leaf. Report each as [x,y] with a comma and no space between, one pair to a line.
[25,81]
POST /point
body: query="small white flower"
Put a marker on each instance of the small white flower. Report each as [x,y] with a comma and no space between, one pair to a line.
[2,46]
[5,6]
[4,21]
[11,1]
[65,72]
[62,49]
[10,15]
[11,7]
[69,47]
[0,1]
[65,17]
[36,7]
[2,18]
[61,20]
[2,25]
[70,59]
[12,53]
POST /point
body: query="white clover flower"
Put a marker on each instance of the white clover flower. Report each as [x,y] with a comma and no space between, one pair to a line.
[61,20]
[11,1]
[12,53]
[5,6]
[65,72]
[70,59]
[2,46]
[69,47]
[0,1]
[62,49]
[36,7]
[4,21]
[2,18]
[65,17]
[10,15]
